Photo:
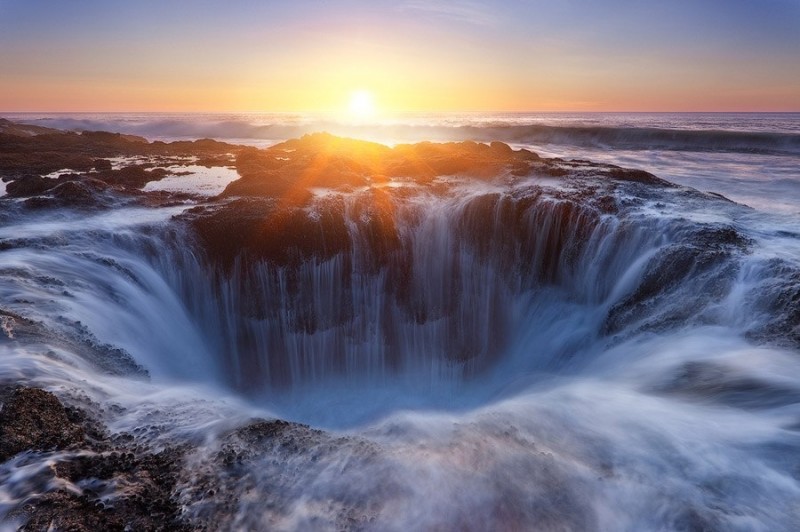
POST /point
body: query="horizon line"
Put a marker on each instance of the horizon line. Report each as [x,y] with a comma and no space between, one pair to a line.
[398,113]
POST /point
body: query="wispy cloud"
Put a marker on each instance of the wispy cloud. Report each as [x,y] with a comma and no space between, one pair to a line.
[461,11]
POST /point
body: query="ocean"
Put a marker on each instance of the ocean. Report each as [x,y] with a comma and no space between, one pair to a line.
[635,368]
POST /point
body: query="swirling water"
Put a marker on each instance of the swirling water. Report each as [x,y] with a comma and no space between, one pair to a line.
[520,364]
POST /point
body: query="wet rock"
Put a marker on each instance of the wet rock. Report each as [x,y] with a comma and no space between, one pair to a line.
[7,127]
[35,420]
[699,265]
[14,326]
[114,483]
[253,458]
[260,435]
[86,193]
[133,176]
[265,230]
[63,510]
[726,385]
[322,160]
[30,185]
[777,299]
[102,165]
[143,484]
[636,176]
[113,490]
[79,192]
[52,150]
[283,223]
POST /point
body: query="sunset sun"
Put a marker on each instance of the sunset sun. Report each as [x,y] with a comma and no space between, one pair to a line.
[361,105]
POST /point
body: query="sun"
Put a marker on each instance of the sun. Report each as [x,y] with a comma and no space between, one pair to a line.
[362,105]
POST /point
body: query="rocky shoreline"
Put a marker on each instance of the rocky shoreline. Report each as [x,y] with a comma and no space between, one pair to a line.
[95,480]
[322,200]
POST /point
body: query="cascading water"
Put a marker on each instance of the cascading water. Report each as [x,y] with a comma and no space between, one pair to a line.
[464,285]
[540,353]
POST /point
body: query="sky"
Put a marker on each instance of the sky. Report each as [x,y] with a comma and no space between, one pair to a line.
[410,55]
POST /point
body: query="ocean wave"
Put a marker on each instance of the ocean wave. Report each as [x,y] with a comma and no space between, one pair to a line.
[281,128]
[636,138]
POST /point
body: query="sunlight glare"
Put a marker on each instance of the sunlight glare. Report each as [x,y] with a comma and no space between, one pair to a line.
[362,105]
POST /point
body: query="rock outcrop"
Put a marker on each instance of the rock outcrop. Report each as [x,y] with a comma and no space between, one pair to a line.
[101,481]
[51,150]
[267,214]
[34,420]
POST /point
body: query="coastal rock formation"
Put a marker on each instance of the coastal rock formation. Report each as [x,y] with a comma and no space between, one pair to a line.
[252,457]
[120,482]
[45,151]
[271,215]
[7,127]
[290,169]
[102,483]
[34,420]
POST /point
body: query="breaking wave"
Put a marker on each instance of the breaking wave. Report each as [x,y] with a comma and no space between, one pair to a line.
[603,132]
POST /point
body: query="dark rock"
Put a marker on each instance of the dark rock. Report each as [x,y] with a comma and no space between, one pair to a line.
[718,383]
[74,192]
[501,148]
[143,481]
[636,176]
[777,299]
[30,185]
[104,137]
[254,457]
[698,264]
[35,420]
[83,193]
[261,435]
[134,176]
[279,223]
[143,484]
[52,151]
[102,165]
[64,510]
[8,127]
[264,229]
[322,160]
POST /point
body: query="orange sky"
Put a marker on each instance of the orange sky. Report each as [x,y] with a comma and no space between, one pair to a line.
[413,56]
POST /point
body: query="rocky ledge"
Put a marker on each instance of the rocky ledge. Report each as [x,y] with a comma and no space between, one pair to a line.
[92,480]
[96,481]
[265,214]
[53,168]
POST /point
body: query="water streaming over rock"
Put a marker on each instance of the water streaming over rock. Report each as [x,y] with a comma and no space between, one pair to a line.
[574,353]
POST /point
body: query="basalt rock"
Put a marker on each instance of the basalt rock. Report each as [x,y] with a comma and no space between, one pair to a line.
[115,482]
[49,150]
[265,229]
[81,194]
[102,165]
[134,176]
[35,420]
[325,161]
[700,260]
[7,127]
[119,482]
[30,185]
[264,446]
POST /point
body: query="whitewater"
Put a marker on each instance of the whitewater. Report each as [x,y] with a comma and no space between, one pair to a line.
[529,359]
